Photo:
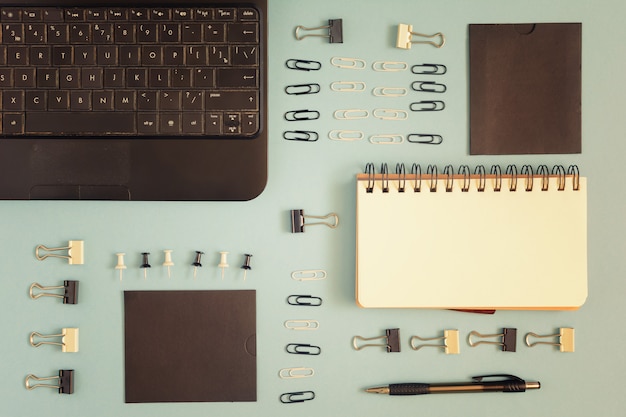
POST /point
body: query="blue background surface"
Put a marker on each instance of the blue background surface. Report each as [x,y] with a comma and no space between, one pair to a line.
[319,177]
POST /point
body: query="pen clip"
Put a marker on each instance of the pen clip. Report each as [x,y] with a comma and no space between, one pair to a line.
[507,377]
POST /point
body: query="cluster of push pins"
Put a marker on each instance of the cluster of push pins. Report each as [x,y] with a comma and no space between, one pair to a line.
[168,263]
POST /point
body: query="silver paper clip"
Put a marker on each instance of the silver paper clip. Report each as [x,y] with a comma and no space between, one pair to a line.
[65,381]
[348,63]
[351,114]
[405,37]
[348,86]
[68,343]
[302,324]
[390,114]
[565,336]
[74,250]
[389,91]
[293,373]
[390,139]
[389,66]
[391,340]
[334,35]
[346,135]
[69,296]
[508,339]
[298,221]
[309,275]
[450,345]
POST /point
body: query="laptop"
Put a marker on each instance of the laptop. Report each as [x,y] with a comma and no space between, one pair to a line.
[154,101]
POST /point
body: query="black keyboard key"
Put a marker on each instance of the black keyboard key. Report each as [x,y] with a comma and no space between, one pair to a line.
[159,78]
[236,77]
[58,33]
[193,123]
[13,123]
[232,100]
[170,33]
[137,77]
[124,33]
[101,123]
[102,100]
[80,100]
[169,100]
[17,55]
[248,13]
[196,55]
[35,33]
[24,78]
[59,100]
[80,33]
[47,77]
[125,100]
[243,33]
[62,55]
[226,14]
[117,14]
[203,14]
[11,14]
[139,14]
[152,55]
[147,33]
[13,100]
[75,15]
[69,78]
[40,56]
[147,100]
[96,15]
[35,100]
[129,55]
[192,33]
[204,77]
[181,77]
[106,55]
[102,33]
[84,55]
[173,56]
[114,78]
[182,14]
[169,123]
[193,100]
[250,123]
[215,32]
[92,78]
[147,123]
[12,33]
[52,14]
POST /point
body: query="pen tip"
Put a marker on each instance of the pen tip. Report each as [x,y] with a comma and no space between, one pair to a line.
[378,390]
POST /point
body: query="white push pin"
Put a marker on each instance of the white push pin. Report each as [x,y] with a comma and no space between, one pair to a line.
[168,261]
[120,263]
[223,262]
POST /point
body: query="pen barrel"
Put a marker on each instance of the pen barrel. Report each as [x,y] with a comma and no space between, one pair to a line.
[409,389]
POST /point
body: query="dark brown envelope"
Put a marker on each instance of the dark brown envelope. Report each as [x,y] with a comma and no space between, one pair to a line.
[525,82]
[190,346]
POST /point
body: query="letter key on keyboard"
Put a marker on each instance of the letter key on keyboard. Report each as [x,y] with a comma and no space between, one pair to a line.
[130,71]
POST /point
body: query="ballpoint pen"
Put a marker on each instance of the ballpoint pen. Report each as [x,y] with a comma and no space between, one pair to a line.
[504,383]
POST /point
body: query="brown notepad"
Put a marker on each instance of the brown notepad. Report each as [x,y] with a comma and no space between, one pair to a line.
[525,82]
[190,346]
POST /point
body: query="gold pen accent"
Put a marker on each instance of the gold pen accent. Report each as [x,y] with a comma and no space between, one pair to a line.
[378,390]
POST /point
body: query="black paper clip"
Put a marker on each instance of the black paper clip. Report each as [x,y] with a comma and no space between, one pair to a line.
[65,383]
[70,292]
[334,35]
[427,139]
[301,89]
[304,300]
[428,87]
[427,105]
[301,135]
[298,221]
[297,397]
[391,338]
[297,115]
[429,69]
[303,349]
[508,339]
[303,65]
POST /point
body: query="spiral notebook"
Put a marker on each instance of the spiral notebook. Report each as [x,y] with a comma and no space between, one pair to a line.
[513,238]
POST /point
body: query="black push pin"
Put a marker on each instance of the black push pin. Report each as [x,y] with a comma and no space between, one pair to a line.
[246,265]
[196,263]
[145,265]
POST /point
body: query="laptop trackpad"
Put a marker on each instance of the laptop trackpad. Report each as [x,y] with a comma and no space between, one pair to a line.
[69,169]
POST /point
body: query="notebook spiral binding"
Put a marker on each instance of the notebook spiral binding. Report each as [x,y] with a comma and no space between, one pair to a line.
[418,181]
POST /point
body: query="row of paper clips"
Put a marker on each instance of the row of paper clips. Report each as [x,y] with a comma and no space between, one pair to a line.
[358,135]
[360,64]
[506,340]
[302,348]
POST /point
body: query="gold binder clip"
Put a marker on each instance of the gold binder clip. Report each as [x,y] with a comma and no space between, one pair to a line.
[450,345]
[74,252]
[68,343]
[65,383]
[391,338]
[405,37]
[508,339]
[565,336]
[69,296]
[298,221]
[335,31]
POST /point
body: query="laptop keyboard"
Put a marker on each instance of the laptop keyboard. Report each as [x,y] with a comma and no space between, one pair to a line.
[130,72]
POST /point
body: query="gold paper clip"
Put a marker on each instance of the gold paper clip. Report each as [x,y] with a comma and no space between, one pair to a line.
[309,275]
[334,35]
[565,336]
[346,135]
[351,114]
[348,63]
[74,252]
[389,91]
[65,383]
[298,221]
[405,37]
[508,339]
[389,66]
[391,338]
[348,86]
[68,343]
[292,373]
[450,345]
[390,114]
[69,296]
[391,139]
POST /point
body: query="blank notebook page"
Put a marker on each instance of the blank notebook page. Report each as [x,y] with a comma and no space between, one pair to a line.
[491,249]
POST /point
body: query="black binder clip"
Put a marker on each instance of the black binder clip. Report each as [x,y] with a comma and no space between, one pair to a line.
[303,349]
[298,221]
[508,339]
[303,65]
[391,338]
[304,300]
[70,291]
[65,383]
[297,397]
[74,250]
[335,31]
